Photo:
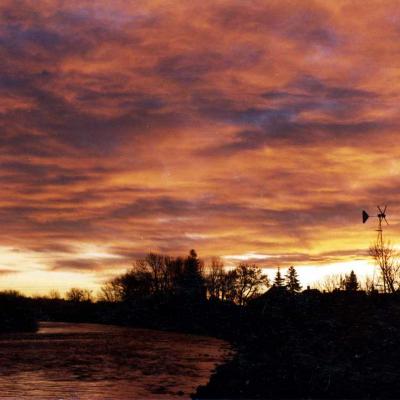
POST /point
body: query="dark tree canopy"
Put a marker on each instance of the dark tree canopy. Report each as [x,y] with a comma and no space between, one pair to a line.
[351,282]
[78,295]
[292,280]
[250,281]
[193,283]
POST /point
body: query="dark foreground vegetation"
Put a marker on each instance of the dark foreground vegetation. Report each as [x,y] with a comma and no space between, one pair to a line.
[314,345]
[290,343]
[16,313]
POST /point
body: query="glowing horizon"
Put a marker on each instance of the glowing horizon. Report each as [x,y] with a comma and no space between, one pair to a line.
[246,130]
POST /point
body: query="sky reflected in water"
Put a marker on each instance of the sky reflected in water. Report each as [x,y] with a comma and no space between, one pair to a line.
[88,361]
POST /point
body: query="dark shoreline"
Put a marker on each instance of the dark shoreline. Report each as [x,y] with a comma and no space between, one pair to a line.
[313,345]
[17,313]
[305,345]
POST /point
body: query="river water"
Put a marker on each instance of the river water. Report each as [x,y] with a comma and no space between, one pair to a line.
[89,361]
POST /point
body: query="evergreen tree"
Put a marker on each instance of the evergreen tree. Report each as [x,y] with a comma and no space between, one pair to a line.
[292,280]
[279,280]
[192,279]
[351,282]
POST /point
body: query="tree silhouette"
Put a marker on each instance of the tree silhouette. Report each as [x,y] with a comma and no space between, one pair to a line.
[292,280]
[156,266]
[214,278]
[389,267]
[228,286]
[351,282]
[111,291]
[133,284]
[331,283]
[79,295]
[279,281]
[174,268]
[54,295]
[249,282]
[192,283]
[164,276]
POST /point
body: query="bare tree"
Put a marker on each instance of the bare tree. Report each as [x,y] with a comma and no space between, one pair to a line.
[54,295]
[111,291]
[249,282]
[386,259]
[136,283]
[79,295]
[155,274]
[131,285]
[157,266]
[215,278]
[330,283]
[228,286]
[370,284]
[239,285]
[165,272]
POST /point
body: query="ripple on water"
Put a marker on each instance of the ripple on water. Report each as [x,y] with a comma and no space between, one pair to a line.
[89,361]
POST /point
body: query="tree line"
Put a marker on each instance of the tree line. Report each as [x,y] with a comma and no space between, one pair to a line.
[163,275]
[189,277]
[158,274]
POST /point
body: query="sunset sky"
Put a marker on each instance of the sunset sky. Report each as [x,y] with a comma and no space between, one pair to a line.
[250,130]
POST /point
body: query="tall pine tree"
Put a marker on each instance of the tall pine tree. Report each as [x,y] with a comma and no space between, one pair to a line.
[279,280]
[292,280]
[351,282]
[193,283]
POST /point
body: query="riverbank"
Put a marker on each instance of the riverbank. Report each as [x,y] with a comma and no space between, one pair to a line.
[306,345]
[208,318]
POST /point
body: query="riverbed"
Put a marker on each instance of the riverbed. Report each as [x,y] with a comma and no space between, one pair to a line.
[89,361]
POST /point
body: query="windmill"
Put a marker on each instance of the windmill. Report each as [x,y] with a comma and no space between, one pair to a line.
[381,217]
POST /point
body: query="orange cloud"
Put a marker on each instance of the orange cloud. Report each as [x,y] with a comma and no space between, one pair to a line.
[236,128]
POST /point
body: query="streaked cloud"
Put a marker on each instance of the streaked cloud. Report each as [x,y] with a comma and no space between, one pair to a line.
[241,129]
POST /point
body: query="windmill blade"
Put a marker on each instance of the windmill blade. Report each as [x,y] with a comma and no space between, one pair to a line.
[384,210]
[387,223]
[365,216]
[380,211]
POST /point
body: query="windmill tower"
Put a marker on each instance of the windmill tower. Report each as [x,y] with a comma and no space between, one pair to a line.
[381,217]
[381,252]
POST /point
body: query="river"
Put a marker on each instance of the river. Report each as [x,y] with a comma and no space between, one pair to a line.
[89,361]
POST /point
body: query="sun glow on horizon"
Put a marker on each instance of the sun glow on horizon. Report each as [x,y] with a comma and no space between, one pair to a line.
[312,274]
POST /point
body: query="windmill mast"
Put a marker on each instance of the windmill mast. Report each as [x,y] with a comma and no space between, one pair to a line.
[381,217]
[379,247]
[380,233]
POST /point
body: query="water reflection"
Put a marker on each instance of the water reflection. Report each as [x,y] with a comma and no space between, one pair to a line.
[88,361]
